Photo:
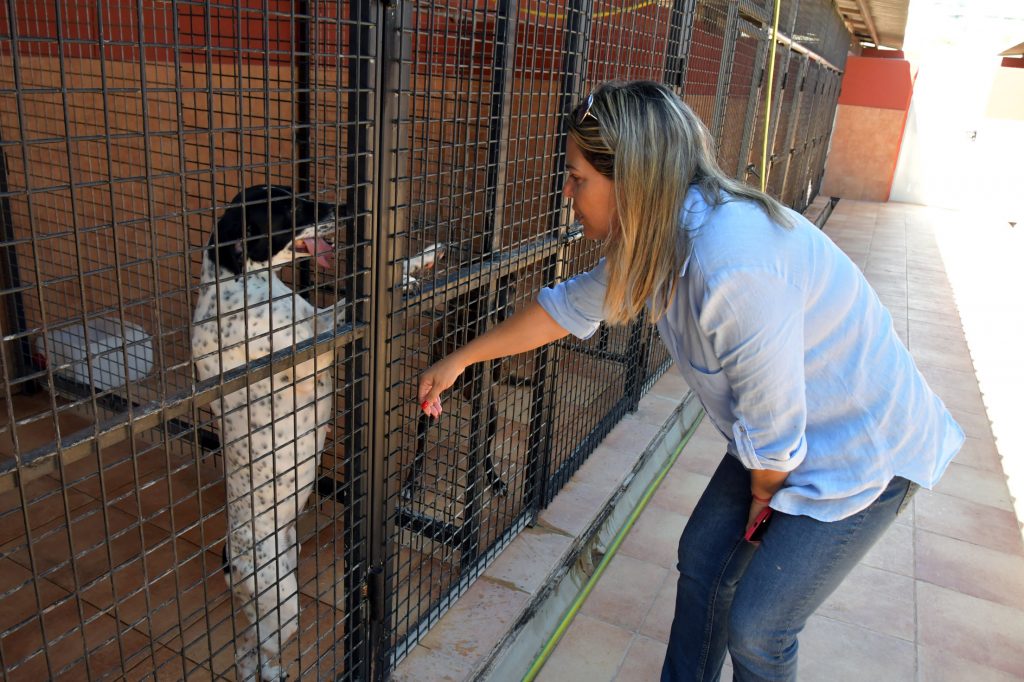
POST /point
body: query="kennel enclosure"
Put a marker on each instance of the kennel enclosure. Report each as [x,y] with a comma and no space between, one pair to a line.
[127,127]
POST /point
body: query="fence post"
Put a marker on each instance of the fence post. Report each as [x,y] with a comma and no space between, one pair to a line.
[363,357]
[680,34]
[542,413]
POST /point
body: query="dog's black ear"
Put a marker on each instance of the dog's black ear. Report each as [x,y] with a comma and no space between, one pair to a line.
[226,240]
[255,216]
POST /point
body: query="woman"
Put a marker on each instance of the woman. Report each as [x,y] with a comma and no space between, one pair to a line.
[794,358]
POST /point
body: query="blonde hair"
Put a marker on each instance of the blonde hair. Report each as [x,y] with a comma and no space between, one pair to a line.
[645,139]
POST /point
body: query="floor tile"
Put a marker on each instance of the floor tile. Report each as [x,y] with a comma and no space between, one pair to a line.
[680,490]
[591,651]
[45,501]
[656,409]
[626,592]
[613,459]
[658,622]
[977,485]
[704,452]
[980,453]
[973,629]
[874,599]
[425,664]
[894,552]
[655,537]
[970,569]
[573,508]
[973,425]
[840,652]
[643,661]
[937,665]
[976,523]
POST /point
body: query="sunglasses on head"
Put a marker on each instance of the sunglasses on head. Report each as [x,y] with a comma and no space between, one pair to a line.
[585,111]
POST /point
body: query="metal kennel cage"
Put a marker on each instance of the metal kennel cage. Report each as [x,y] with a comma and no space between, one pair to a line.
[126,131]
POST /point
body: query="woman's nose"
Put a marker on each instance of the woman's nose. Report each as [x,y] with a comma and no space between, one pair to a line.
[566,191]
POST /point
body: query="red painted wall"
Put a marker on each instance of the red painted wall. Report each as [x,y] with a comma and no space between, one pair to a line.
[880,83]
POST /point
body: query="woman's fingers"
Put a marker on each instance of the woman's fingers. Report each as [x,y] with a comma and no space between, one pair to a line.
[436,379]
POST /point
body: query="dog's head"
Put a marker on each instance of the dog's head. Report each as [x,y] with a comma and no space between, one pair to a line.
[268,225]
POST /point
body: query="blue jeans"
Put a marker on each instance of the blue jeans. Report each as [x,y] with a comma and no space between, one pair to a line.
[754,601]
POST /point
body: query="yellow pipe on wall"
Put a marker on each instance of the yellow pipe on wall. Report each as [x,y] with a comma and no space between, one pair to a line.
[768,98]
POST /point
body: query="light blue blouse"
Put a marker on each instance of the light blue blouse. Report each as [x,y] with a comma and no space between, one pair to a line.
[793,357]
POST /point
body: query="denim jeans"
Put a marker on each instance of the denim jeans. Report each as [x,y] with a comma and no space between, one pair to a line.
[754,601]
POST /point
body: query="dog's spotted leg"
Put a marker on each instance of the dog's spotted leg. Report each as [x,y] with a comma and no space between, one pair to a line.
[246,656]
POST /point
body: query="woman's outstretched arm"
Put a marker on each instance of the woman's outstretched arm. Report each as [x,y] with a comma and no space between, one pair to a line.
[531,327]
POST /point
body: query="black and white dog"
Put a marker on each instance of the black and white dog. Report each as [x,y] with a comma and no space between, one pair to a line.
[273,430]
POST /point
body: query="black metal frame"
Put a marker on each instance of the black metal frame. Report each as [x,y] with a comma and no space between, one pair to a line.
[531,431]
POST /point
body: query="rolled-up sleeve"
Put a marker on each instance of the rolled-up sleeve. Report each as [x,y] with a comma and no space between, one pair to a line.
[754,321]
[577,305]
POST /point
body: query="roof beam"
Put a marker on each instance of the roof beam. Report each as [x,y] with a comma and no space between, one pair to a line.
[865,12]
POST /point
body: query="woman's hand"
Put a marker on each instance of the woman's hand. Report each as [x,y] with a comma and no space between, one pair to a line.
[755,509]
[439,377]
[529,328]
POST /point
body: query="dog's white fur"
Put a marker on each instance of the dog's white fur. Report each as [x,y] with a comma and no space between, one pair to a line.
[272,432]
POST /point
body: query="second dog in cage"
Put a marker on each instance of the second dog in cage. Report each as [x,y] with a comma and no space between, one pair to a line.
[273,430]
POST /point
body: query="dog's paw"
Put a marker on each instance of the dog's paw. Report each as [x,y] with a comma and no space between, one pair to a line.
[246,667]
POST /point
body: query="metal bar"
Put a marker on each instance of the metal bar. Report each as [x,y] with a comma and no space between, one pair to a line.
[788,42]
[366,101]
[386,108]
[453,284]
[11,277]
[780,85]
[579,14]
[865,11]
[725,67]
[794,118]
[753,102]
[497,158]
[680,36]
[44,459]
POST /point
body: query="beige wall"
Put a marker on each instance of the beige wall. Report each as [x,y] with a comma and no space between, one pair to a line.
[862,158]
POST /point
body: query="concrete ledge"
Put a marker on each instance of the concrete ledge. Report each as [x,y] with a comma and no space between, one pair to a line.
[820,209]
[499,626]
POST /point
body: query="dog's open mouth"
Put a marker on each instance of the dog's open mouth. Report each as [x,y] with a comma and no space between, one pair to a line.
[318,248]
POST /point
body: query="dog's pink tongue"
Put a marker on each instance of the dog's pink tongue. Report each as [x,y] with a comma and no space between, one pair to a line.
[320,250]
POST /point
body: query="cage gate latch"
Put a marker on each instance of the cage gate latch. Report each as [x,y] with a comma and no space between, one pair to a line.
[372,592]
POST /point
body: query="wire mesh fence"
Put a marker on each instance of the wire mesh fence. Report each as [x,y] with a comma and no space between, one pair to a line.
[235,233]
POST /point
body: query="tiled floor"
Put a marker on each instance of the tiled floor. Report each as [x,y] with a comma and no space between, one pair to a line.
[941,597]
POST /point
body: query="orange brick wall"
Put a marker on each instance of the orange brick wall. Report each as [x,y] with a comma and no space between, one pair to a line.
[870,120]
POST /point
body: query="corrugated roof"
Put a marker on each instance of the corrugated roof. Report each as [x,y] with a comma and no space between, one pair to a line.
[882,22]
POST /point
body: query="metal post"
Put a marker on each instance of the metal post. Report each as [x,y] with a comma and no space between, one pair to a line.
[542,405]
[362,520]
[497,155]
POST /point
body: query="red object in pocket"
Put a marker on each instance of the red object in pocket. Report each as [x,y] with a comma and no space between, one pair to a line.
[759,526]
